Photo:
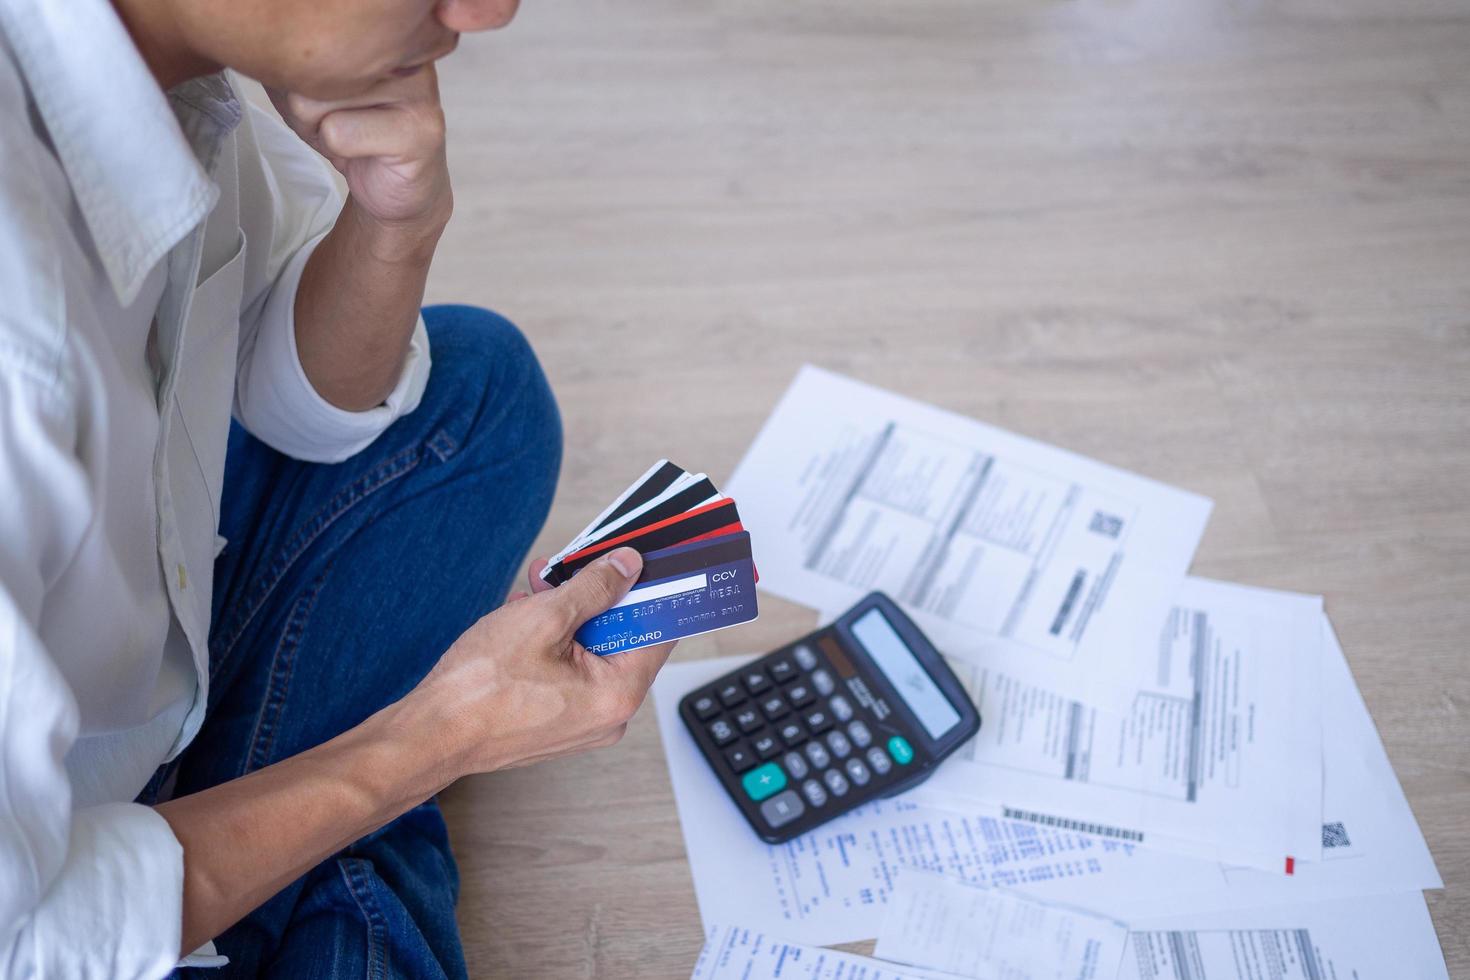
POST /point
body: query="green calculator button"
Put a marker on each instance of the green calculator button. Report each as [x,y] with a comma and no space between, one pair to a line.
[764,781]
[901,750]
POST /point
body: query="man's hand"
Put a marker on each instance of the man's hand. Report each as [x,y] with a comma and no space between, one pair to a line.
[387,142]
[516,688]
[359,297]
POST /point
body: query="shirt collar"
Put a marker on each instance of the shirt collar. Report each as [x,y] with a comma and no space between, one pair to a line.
[138,170]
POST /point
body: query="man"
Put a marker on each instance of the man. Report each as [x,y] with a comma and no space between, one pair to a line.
[236,659]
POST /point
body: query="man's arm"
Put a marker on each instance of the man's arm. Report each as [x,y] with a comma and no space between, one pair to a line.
[359,296]
[513,690]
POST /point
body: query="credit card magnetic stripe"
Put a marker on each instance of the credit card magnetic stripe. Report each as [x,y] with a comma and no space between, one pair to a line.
[698,491]
[685,493]
[692,556]
[653,483]
[717,516]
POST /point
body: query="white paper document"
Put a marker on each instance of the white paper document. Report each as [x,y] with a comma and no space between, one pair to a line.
[831,885]
[1219,755]
[1371,843]
[1362,938]
[741,953]
[979,533]
[941,923]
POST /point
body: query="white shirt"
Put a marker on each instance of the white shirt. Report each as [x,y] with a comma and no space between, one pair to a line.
[150,250]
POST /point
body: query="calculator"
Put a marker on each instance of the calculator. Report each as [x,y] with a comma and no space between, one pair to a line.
[859,709]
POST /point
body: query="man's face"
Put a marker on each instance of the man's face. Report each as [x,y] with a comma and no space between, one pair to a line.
[333,49]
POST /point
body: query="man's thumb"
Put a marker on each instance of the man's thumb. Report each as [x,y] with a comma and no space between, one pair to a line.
[596,587]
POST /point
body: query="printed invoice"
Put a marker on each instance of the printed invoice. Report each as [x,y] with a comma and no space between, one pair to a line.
[980,533]
[832,885]
[1369,936]
[741,953]
[1219,756]
[942,923]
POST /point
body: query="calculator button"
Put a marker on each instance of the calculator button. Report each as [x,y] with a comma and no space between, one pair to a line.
[749,720]
[792,733]
[763,781]
[796,765]
[839,744]
[841,709]
[706,707]
[766,746]
[817,752]
[731,695]
[755,681]
[818,721]
[824,683]
[721,732]
[800,694]
[901,750]
[814,793]
[774,707]
[836,782]
[781,810]
[739,757]
[878,759]
[856,771]
[782,671]
[859,734]
[805,659]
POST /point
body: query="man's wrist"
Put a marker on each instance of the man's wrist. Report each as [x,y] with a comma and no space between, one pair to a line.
[414,753]
[397,242]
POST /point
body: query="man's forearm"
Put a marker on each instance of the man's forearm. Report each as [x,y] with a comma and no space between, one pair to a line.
[246,839]
[357,305]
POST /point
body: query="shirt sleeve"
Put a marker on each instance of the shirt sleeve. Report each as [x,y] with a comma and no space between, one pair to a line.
[287,197]
[89,891]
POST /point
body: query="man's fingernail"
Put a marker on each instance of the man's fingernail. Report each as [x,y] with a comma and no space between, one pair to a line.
[626,561]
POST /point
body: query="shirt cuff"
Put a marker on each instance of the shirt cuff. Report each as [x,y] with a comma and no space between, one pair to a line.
[117,907]
[284,410]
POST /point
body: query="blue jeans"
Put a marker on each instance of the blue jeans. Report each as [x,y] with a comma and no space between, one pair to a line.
[340,587]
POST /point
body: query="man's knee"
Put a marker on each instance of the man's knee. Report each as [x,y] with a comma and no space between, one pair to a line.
[484,365]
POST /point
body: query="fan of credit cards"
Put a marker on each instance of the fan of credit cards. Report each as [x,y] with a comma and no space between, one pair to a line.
[697,570]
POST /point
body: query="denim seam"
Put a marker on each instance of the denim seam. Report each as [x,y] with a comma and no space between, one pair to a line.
[362,897]
[391,469]
[278,681]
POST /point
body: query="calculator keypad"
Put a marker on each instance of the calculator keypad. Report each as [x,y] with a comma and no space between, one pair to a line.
[721,732]
[782,808]
[749,720]
[814,793]
[739,758]
[766,746]
[841,708]
[791,740]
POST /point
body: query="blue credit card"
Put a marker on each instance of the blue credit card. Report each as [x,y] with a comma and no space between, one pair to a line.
[684,591]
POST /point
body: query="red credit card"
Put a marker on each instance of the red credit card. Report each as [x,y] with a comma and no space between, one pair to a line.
[712,519]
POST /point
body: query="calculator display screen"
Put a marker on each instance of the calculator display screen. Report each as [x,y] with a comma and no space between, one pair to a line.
[905,673]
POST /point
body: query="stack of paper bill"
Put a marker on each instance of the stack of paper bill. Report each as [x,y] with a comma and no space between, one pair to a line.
[1187,757]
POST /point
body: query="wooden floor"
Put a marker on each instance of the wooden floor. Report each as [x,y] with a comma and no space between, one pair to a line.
[1224,244]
